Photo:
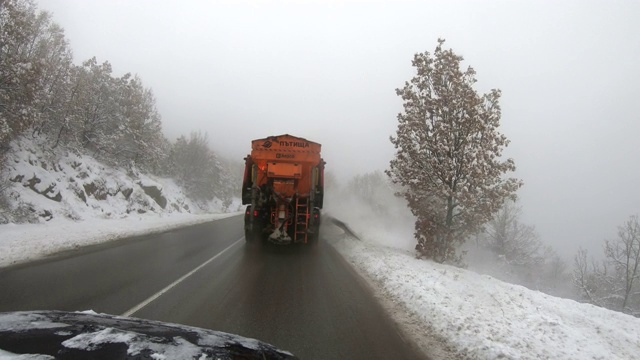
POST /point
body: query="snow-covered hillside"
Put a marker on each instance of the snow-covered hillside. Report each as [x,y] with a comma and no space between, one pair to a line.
[56,185]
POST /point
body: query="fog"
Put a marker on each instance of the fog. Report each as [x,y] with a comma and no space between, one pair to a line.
[327,70]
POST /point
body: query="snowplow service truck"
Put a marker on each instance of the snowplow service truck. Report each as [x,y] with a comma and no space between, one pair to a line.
[283,187]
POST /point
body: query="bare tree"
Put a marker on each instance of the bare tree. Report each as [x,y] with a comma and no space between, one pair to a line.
[614,284]
[587,280]
[557,268]
[448,154]
[520,253]
[515,242]
[623,254]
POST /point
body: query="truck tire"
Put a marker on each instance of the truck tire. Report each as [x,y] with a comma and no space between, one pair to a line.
[252,235]
[248,236]
[253,241]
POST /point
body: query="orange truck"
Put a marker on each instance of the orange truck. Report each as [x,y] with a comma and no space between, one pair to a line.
[283,188]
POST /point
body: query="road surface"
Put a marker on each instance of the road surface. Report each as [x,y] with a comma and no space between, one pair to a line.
[305,300]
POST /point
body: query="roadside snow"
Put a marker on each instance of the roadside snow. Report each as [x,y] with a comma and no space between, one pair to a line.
[28,242]
[477,316]
[484,318]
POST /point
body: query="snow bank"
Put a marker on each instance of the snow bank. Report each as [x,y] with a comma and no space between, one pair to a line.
[27,242]
[484,318]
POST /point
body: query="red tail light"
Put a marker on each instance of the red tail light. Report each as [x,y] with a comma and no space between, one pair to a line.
[255,213]
[315,216]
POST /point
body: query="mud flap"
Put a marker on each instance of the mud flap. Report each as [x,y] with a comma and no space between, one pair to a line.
[279,236]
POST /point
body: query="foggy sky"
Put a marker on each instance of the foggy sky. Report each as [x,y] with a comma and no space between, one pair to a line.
[327,71]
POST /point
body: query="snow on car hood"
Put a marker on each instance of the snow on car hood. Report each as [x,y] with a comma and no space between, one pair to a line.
[82,335]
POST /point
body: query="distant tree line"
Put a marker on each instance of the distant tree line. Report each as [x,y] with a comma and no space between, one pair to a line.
[87,109]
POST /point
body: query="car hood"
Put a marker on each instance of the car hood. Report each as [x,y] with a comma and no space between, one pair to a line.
[88,335]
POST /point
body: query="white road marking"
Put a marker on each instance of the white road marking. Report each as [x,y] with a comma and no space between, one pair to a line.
[159,293]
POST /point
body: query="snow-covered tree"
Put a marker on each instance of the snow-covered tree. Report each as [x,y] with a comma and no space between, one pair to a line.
[140,138]
[34,71]
[94,108]
[21,66]
[448,156]
[55,79]
[199,170]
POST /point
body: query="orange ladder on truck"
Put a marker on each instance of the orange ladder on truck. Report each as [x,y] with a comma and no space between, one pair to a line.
[302,219]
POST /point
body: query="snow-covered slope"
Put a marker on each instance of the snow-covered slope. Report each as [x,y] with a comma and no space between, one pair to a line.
[484,318]
[63,185]
[476,316]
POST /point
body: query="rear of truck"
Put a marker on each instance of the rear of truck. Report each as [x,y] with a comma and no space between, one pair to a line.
[283,187]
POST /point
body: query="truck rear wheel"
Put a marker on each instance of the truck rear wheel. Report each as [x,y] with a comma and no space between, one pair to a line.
[252,232]
[248,235]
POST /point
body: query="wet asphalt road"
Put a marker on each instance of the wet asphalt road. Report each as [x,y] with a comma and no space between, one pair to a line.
[303,299]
